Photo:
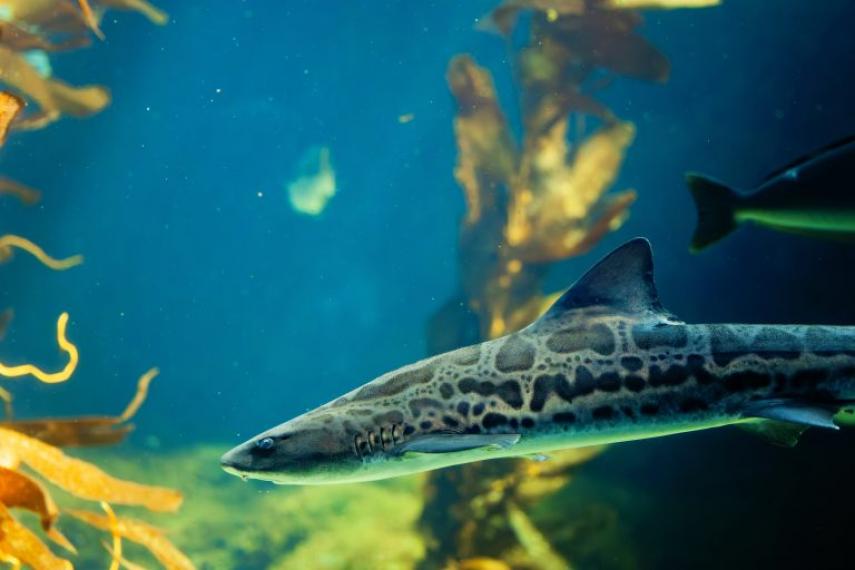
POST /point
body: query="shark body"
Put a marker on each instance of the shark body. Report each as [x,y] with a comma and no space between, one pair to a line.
[605,364]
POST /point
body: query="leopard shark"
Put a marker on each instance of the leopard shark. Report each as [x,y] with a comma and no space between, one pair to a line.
[605,364]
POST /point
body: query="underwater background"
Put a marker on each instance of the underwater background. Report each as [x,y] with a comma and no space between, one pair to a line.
[196,262]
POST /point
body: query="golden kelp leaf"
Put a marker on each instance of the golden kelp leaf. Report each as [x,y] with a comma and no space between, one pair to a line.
[20,491]
[72,432]
[83,479]
[481,563]
[535,544]
[48,377]
[141,533]
[155,15]
[10,106]
[87,430]
[54,98]
[5,320]
[25,194]
[90,18]
[9,241]
[20,39]
[116,550]
[125,563]
[18,541]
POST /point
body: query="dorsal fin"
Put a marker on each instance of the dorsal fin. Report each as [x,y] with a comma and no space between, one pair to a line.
[809,156]
[622,282]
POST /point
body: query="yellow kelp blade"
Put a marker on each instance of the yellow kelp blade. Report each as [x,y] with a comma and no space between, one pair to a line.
[9,241]
[154,14]
[141,533]
[83,431]
[84,480]
[10,106]
[90,18]
[20,491]
[19,542]
[25,194]
[48,377]
[116,550]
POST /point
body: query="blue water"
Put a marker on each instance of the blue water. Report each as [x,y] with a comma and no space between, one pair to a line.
[196,263]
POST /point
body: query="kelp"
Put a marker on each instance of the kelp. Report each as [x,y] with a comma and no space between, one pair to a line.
[142,533]
[61,375]
[52,97]
[7,242]
[84,431]
[49,26]
[28,196]
[533,199]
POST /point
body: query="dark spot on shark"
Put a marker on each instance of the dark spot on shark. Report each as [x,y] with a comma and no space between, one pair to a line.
[450,422]
[634,383]
[603,413]
[409,430]
[808,378]
[493,420]
[478,409]
[627,411]
[546,384]
[598,338]
[420,404]
[690,405]
[746,380]
[446,390]
[695,364]
[509,391]
[649,409]
[515,355]
[527,423]
[671,376]
[396,384]
[564,418]
[474,428]
[463,408]
[647,337]
[608,382]
[468,356]
[631,363]
[426,425]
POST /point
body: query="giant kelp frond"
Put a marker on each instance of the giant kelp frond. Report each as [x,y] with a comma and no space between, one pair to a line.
[48,377]
[142,533]
[8,241]
[85,431]
[83,479]
[10,106]
[21,543]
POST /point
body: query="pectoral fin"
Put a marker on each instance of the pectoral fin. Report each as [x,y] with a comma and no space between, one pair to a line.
[451,442]
[807,414]
[778,433]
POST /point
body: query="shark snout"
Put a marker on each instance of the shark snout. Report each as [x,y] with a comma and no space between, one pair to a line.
[236,461]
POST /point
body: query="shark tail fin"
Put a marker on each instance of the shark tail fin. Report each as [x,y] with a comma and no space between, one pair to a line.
[716,205]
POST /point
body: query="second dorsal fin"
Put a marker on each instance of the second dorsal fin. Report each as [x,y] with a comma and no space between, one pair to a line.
[622,282]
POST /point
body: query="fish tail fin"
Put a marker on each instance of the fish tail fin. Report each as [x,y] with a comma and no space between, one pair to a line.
[716,204]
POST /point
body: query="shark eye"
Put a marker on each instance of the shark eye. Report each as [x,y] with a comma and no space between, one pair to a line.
[264,443]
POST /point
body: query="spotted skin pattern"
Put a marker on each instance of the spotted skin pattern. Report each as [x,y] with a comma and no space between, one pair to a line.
[608,364]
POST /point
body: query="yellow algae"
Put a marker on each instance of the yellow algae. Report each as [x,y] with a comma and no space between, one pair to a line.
[116,550]
[83,430]
[137,531]
[154,14]
[9,241]
[18,541]
[53,97]
[25,194]
[90,19]
[10,106]
[48,377]
[20,491]
[314,184]
[83,479]
[139,396]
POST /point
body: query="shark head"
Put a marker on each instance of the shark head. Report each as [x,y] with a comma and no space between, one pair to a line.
[297,452]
